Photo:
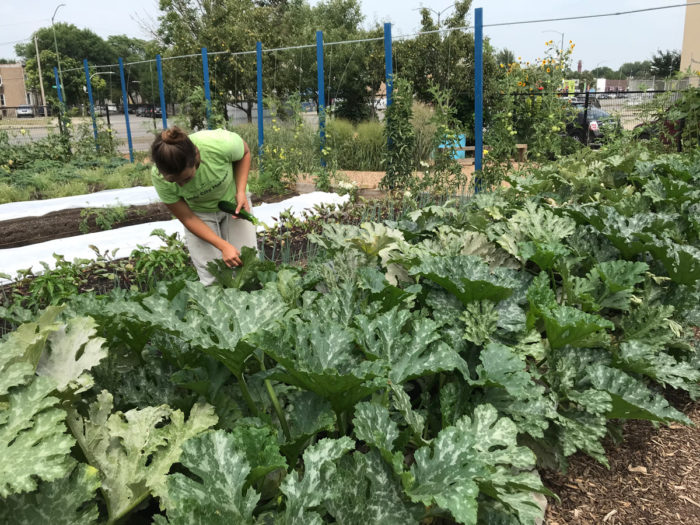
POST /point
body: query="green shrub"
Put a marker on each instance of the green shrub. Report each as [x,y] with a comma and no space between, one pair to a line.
[10,193]
[425,129]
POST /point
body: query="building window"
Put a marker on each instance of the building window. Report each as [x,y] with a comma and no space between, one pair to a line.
[29,99]
[2,99]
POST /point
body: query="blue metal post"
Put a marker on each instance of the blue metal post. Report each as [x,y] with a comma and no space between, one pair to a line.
[261,133]
[388,64]
[125,100]
[321,93]
[207,90]
[161,89]
[478,93]
[61,105]
[92,103]
[58,86]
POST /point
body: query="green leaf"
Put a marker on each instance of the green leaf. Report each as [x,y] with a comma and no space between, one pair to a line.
[481,451]
[308,414]
[467,277]
[61,502]
[34,444]
[73,350]
[315,486]
[512,390]
[260,447]
[407,347]
[631,398]
[217,321]
[480,321]
[216,494]
[135,450]
[636,356]
[566,325]
[319,356]
[20,352]
[374,426]
[579,430]
[364,490]
[402,403]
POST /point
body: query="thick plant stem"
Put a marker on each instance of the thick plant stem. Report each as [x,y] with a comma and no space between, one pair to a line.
[246,394]
[276,403]
[278,409]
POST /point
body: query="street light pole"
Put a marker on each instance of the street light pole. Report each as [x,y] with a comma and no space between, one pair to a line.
[438,13]
[562,40]
[58,59]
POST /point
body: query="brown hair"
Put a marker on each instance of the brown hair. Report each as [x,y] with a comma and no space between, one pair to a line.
[172,151]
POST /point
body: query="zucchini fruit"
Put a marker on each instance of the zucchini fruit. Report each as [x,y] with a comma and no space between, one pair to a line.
[230,207]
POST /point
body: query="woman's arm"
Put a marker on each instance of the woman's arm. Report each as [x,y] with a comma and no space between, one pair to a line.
[240,173]
[229,253]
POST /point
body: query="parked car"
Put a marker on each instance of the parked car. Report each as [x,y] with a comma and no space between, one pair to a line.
[152,112]
[598,126]
[25,111]
[43,111]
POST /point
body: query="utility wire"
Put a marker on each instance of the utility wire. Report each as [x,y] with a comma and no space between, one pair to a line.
[401,37]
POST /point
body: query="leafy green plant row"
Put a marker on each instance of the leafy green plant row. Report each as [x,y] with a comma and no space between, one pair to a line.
[417,369]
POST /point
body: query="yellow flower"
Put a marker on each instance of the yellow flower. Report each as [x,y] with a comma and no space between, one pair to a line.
[9,162]
[502,65]
[520,58]
[549,70]
[23,131]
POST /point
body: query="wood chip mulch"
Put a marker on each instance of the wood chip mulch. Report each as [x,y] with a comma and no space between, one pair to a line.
[654,479]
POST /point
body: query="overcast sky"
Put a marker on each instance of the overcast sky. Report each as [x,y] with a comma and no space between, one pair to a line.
[607,41]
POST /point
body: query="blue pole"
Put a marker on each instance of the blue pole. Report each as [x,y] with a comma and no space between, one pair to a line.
[92,103]
[125,99]
[388,64]
[207,91]
[159,66]
[261,133]
[58,86]
[478,93]
[321,93]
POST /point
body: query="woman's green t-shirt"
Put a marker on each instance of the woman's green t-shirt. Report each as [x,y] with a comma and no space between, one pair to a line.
[213,182]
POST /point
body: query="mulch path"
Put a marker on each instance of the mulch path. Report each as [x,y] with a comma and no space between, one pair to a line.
[654,479]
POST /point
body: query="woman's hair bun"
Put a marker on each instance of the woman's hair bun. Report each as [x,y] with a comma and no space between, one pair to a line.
[173,135]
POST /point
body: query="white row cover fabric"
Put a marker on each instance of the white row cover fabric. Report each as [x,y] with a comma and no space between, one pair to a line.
[127,239]
[138,196]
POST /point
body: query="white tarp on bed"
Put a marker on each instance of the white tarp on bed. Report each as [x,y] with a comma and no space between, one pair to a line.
[128,238]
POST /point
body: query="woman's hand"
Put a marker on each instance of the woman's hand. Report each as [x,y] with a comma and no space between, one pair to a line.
[231,255]
[242,202]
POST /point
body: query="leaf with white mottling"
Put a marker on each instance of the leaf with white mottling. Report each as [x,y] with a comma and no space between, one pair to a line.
[34,444]
[406,346]
[60,502]
[481,451]
[73,349]
[364,490]
[307,491]
[217,495]
[135,450]
[21,350]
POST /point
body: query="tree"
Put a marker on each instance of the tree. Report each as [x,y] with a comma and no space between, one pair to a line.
[603,72]
[446,59]
[505,56]
[665,63]
[74,45]
[635,69]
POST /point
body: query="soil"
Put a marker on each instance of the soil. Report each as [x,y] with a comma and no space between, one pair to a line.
[69,223]
[654,479]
